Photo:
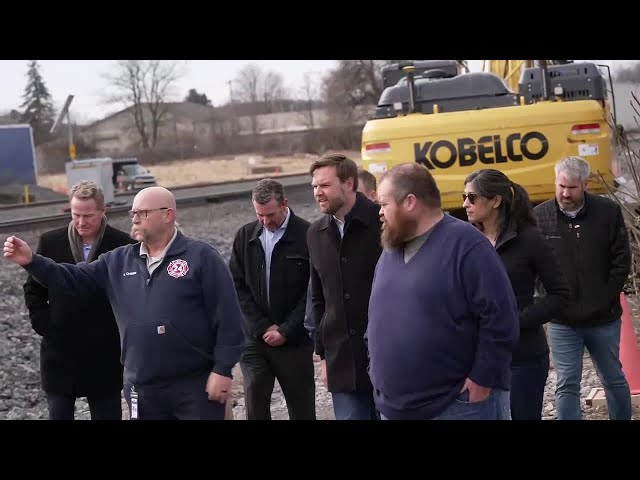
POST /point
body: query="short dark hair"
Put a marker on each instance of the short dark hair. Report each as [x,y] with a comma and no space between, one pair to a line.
[266,190]
[368,179]
[416,179]
[345,167]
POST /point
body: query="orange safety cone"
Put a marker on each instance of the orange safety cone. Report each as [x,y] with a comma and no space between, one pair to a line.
[629,351]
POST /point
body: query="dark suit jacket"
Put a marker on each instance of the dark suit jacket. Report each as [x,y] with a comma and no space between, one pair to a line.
[80,347]
[289,278]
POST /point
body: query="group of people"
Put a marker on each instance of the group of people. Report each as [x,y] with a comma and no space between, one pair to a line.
[413,313]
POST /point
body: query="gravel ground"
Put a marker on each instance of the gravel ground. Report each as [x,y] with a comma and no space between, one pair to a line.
[20,393]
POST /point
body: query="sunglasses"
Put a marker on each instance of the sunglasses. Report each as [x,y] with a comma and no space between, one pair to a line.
[471,196]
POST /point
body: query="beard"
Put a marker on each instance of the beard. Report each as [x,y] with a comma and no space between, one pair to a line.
[332,206]
[335,203]
[569,204]
[394,237]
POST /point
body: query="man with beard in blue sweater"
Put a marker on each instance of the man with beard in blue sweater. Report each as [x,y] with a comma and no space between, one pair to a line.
[443,319]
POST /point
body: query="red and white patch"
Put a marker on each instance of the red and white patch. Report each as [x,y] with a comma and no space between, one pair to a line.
[178,268]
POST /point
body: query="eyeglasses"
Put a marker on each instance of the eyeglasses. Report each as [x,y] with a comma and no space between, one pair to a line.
[133,213]
[471,196]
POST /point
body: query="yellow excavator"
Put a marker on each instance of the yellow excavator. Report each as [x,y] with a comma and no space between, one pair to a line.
[518,116]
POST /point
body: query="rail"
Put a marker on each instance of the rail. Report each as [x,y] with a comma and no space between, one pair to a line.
[185,195]
[129,194]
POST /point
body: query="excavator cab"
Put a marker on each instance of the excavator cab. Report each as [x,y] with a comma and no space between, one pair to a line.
[395,74]
[453,121]
[424,90]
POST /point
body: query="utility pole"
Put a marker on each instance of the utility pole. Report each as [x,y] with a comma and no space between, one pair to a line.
[63,112]
[233,116]
[230,83]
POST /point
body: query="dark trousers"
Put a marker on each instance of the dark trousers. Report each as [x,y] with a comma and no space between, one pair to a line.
[180,399]
[528,379]
[105,407]
[292,365]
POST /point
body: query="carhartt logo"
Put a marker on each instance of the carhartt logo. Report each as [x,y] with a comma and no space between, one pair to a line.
[126,274]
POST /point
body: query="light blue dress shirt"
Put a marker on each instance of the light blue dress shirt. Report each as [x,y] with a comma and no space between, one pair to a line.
[268,240]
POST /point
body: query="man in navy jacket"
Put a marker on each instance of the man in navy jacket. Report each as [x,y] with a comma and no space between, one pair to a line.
[176,308]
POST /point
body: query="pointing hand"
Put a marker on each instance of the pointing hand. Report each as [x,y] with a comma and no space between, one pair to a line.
[17,250]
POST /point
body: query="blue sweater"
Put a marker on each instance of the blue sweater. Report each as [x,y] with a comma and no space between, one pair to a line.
[448,314]
[183,319]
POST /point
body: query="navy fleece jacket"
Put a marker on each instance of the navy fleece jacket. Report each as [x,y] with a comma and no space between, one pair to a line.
[182,319]
[448,314]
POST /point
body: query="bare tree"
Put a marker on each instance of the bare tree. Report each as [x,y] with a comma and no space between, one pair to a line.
[309,92]
[262,90]
[353,84]
[360,80]
[272,89]
[249,82]
[144,85]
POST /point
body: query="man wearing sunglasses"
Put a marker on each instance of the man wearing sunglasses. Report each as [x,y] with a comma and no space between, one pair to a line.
[175,305]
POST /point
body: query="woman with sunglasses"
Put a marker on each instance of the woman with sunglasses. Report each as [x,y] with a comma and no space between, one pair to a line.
[502,211]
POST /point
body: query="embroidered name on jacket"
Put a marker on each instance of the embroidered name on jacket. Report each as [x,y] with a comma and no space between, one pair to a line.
[178,268]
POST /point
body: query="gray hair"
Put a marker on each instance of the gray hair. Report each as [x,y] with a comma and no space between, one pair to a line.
[267,190]
[575,168]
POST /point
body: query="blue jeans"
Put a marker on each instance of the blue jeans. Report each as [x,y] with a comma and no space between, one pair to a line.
[494,407]
[354,406]
[603,343]
[528,379]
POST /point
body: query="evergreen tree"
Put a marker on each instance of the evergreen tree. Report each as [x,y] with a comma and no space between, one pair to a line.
[38,106]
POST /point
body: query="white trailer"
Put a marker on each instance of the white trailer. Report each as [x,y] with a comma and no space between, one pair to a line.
[98,170]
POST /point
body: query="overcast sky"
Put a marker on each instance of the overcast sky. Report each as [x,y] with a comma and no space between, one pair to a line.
[84,79]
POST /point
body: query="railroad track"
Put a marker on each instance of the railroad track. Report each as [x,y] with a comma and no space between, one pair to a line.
[130,194]
[185,196]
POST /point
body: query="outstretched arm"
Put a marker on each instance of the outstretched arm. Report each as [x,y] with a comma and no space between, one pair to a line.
[81,279]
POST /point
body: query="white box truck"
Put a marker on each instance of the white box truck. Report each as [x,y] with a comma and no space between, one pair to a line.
[98,170]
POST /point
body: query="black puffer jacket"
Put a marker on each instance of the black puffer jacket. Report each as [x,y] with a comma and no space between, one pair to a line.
[528,257]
